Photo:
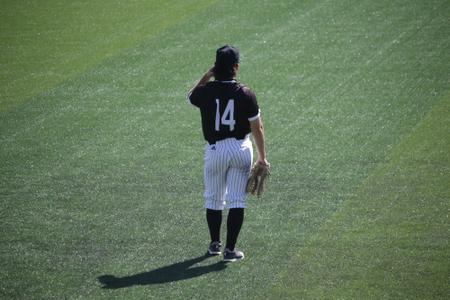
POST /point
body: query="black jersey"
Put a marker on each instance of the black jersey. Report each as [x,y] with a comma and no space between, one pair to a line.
[226,108]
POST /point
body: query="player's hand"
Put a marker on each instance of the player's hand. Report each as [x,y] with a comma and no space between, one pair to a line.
[263,162]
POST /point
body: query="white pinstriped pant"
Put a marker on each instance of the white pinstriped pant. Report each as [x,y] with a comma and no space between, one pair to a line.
[227,168]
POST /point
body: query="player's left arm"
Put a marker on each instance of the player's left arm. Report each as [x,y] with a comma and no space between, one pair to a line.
[256,126]
[259,137]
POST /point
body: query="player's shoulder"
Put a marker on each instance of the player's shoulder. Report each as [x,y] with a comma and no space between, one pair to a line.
[205,86]
[203,89]
[210,85]
[245,90]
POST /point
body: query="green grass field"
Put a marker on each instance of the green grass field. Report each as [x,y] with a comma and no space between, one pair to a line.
[101,158]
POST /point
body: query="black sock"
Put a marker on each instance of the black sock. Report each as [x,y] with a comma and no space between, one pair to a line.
[234,224]
[214,219]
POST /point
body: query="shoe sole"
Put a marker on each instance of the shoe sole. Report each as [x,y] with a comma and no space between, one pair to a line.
[214,252]
[232,259]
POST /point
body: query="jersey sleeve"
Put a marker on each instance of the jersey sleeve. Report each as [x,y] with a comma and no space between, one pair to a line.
[253,111]
[196,96]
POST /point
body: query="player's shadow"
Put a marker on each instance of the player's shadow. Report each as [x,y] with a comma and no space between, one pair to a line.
[175,272]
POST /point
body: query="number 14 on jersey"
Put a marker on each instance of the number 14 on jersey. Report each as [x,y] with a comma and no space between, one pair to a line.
[227,118]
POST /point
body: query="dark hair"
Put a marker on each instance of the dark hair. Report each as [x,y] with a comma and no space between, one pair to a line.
[226,58]
[221,73]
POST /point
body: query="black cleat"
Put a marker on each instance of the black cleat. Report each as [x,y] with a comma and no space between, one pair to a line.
[231,256]
[214,248]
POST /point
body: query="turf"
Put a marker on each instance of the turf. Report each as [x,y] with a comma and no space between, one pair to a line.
[101,157]
[390,240]
[47,42]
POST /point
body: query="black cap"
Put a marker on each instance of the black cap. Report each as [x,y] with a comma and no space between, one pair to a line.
[226,57]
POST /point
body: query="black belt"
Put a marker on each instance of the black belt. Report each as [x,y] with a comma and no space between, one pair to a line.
[213,142]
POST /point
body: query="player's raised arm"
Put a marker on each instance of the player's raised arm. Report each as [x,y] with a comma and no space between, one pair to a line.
[205,78]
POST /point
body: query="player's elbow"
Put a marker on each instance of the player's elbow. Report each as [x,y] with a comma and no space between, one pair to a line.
[256,126]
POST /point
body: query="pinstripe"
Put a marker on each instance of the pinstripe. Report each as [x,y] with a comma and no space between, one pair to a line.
[227,167]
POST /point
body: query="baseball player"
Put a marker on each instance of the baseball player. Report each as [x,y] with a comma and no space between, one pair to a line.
[229,113]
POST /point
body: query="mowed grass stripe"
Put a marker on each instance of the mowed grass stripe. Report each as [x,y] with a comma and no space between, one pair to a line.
[353,129]
[44,43]
[351,104]
[390,241]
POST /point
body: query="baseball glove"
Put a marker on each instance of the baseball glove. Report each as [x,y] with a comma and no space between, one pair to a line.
[257,179]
